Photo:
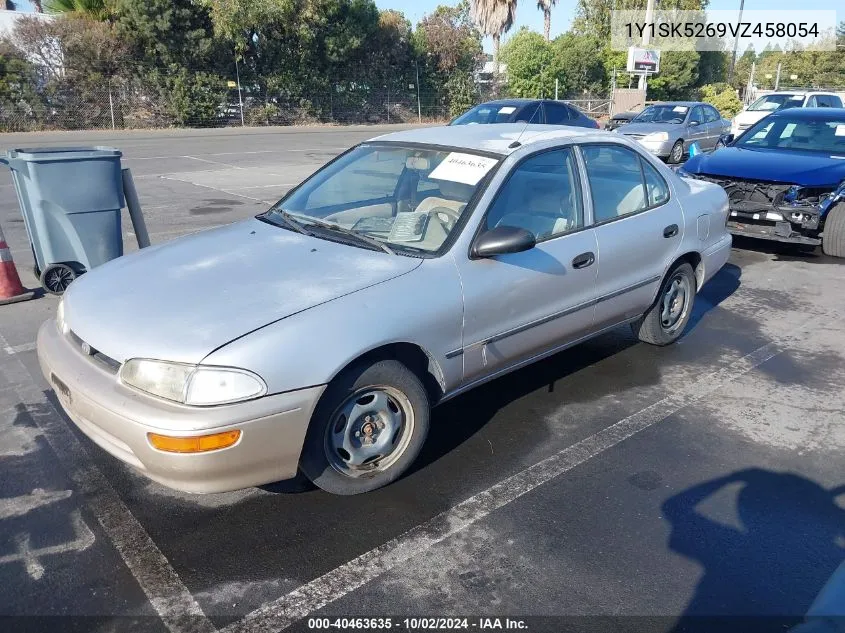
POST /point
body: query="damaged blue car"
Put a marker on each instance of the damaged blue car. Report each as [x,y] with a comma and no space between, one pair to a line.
[785,178]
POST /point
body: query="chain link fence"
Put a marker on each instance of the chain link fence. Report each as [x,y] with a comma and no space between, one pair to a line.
[144,97]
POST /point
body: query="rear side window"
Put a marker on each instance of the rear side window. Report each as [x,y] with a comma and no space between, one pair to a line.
[711,114]
[616,181]
[530,114]
[658,190]
[558,114]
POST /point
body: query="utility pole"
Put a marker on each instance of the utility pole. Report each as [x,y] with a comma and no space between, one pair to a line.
[240,97]
[777,78]
[736,41]
[649,18]
[419,102]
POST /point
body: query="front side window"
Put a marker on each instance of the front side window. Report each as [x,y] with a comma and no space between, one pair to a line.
[697,115]
[542,195]
[616,181]
[407,198]
[557,114]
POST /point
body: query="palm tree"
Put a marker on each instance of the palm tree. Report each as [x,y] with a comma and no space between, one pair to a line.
[494,18]
[36,4]
[546,7]
[96,9]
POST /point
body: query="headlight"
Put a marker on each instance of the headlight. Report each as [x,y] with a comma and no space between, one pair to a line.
[657,136]
[60,317]
[192,384]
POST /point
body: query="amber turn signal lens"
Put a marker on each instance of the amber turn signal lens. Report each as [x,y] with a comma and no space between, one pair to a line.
[199,444]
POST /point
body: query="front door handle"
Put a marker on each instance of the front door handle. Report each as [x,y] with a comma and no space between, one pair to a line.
[670,231]
[584,260]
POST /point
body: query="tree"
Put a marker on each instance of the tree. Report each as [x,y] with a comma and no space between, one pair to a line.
[546,7]
[722,97]
[164,32]
[494,18]
[581,62]
[532,66]
[678,75]
[95,9]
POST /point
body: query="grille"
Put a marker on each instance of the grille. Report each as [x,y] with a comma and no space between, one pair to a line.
[106,361]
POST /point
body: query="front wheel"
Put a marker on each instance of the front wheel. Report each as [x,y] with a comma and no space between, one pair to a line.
[367,429]
[665,321]
[833,240]
[677,153]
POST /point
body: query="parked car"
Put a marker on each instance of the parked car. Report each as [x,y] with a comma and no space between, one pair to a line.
[785,178]
[538,111]
[776,101]
[668,129]
[619,119]
[412,268]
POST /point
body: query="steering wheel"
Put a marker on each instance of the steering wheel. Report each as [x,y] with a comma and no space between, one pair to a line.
[451,217]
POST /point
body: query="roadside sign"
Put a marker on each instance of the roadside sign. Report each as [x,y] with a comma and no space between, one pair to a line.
[643,60]
[232,84]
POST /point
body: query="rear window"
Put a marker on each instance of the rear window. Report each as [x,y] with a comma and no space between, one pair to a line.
[487,113]
[770,103]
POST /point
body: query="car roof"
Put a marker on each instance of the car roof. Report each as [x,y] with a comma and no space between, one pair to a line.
[495,138]
[809,114]
[797,92]
[509,102]
[688,104]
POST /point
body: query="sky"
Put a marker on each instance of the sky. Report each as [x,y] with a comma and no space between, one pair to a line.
[527,13]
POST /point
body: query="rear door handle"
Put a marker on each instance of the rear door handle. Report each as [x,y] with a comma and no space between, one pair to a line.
[670,231]
[584,260]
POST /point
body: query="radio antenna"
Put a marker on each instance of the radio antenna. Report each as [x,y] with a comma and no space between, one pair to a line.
[517,143]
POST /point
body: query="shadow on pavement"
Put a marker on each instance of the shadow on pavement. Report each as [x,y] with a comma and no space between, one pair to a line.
[773,567]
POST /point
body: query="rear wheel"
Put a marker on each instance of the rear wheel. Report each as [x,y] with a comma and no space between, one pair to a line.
[664,323]
[367,429]
[833,241]
[677,152]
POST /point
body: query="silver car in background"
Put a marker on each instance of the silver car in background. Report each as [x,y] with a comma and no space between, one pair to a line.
[318,335]
[668,129]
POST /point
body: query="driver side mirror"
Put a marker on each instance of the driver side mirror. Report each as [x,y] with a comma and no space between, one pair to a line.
[726,139]
[503,240]
[694,123]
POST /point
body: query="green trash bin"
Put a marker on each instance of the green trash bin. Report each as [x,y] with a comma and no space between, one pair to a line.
[71,200]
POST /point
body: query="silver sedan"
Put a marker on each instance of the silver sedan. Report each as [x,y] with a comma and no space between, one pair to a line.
[668,129]
[318,335]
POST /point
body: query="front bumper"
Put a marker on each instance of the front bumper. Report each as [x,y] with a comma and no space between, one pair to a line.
[118,419]
[661,149]
[775,231]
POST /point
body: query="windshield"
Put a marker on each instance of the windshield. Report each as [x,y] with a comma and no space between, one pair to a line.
[498,113]
[662,114]
[408,198]
[770,103]
[822,134]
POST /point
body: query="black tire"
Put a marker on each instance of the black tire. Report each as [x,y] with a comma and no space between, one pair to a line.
[833,240]
[327,471]
[56,278]
[650,327]
[674,155]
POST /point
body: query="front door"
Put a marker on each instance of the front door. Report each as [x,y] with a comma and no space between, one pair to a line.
[638,228]
[520,305]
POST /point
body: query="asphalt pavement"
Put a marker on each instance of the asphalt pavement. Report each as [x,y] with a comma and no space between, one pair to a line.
[622,486]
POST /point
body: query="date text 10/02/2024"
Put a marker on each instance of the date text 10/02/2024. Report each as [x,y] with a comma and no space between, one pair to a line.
[417,624]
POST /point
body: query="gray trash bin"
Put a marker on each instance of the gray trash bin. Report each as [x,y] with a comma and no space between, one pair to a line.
[71,200]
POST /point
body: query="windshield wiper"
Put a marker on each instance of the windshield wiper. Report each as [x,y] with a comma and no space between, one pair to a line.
[336,228]
[288,219]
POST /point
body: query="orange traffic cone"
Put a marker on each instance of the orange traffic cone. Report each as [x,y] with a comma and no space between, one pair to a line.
[11,288]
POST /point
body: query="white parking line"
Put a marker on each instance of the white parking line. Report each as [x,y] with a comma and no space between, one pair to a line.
[314,595]
[19,349]
[167,594]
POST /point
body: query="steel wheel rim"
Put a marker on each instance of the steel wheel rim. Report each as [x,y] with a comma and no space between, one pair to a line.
[369,431]
[677,152]
[675,302]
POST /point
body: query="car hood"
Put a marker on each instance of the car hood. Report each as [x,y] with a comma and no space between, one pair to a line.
[810,169]
[747,117]
[648,128]
[182,300]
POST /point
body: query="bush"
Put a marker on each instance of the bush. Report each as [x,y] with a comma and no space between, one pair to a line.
[461,90]
[193,99]
[722,97]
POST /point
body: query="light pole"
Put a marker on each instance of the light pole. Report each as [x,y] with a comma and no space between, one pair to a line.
[240,98]
[649,18]
[736,42]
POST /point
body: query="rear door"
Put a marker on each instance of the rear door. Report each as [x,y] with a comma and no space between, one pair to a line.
[697,127]
[638,226]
